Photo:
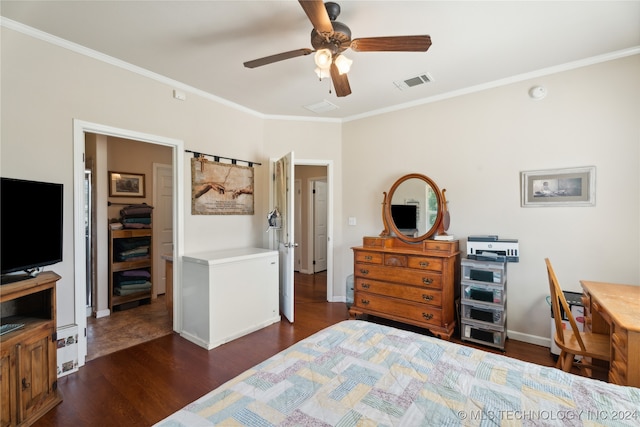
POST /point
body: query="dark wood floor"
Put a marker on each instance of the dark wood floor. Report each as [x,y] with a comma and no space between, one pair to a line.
[141,385]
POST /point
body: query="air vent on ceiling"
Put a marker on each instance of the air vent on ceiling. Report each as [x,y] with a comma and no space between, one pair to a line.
[413,81]
[321,107]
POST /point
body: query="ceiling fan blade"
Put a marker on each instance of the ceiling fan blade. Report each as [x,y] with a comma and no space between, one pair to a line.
[277,57]
[393,43]
[317,14]
[340,81]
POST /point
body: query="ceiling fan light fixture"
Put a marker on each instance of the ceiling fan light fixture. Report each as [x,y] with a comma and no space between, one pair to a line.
[323,58]
[323,72]
[343,63]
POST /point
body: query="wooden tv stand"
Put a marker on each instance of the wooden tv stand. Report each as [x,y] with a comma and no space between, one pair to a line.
[28,377]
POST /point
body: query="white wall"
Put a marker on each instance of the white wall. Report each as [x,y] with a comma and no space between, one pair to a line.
[476,145]
[321,140]
[45,87]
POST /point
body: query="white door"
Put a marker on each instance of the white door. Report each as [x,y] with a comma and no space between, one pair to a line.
[284,236]
[319,226]
[162,224]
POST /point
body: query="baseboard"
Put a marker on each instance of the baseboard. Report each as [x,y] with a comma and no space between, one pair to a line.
[102,313]
[530,339]
[194,339]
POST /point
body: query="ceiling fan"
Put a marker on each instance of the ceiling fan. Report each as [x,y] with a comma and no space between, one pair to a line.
[330,38]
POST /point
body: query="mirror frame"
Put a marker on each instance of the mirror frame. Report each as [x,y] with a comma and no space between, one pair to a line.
[387,219]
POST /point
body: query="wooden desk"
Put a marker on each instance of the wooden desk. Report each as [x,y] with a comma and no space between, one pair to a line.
[615,310]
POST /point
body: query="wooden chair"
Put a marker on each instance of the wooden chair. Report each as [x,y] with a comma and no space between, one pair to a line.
[573,342]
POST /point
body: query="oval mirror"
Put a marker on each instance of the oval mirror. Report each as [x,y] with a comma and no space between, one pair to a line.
[413,209]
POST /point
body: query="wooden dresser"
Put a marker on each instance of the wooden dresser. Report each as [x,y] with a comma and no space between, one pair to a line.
[413,283]
[614,309]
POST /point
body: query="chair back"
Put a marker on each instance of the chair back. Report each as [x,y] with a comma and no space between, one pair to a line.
[558,300]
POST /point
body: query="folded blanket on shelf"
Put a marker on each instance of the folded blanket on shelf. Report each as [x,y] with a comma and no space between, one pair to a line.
[123,282]
[126,221]
[134,286]
[135,273]
[140,250]
[141,208]
[122,292]
[121,245]
[136,225]
[134,258]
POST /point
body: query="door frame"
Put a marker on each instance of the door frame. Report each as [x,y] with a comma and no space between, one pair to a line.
[80,128]
[330,194]
[311,212]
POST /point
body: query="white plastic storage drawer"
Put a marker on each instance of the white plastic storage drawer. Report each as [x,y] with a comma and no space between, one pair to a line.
[493,336]
[484,271]
[483,313]
[473,291]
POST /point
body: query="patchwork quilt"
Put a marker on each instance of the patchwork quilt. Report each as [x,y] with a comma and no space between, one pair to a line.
[357,373]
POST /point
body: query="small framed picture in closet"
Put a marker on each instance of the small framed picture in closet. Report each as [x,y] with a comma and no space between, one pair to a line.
[124,184]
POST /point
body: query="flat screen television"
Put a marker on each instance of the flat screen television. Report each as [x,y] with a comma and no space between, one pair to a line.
[30,226]
[404,216]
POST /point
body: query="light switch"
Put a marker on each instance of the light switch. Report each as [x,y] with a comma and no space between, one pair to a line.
[352,220]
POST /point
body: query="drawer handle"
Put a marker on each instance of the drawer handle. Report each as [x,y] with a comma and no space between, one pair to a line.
[363,271]
[368,258]
[364,301]
[427,280]
[366,285]
[427,316]
[427,297]
[424,264]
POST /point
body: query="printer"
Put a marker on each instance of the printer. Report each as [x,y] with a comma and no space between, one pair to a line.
[492,248]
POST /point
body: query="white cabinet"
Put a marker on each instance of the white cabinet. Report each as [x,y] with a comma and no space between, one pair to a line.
[227,294]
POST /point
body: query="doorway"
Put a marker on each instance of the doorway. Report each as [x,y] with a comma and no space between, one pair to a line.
[315,219]
[81,130]
[311,217]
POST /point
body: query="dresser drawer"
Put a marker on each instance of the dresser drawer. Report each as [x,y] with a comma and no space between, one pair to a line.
[369,257]
[405,276]
[442,247]
[422,313]
[411,293]
[394,260]
[425,263]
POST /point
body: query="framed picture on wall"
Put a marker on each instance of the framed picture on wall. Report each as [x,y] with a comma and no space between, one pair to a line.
[559,187]
[124,184]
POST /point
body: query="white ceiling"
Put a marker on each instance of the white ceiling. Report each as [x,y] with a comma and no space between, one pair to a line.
[476,44]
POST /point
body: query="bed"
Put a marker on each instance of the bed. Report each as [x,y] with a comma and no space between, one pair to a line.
[357,373]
